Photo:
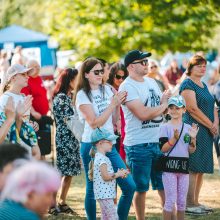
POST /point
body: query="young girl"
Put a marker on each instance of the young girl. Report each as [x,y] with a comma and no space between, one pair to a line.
[176,184]
[102,174]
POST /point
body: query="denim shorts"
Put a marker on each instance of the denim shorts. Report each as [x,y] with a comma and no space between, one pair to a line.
[141,159]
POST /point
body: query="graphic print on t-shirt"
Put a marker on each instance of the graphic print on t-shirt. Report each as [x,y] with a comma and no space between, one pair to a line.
[101,103]
[154,101]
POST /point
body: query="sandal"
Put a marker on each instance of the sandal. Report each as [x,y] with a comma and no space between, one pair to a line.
[54,211]
[195,211]
[64,208]
[206,208]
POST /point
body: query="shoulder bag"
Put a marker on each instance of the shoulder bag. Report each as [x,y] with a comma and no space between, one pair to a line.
[173,164]
[75,125]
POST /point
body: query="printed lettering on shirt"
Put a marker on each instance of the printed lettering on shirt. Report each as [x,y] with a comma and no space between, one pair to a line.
[101,103]
[154,100]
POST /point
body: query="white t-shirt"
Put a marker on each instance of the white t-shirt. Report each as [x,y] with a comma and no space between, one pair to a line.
[16,98]
[99,104]
[103,189]
[149,93]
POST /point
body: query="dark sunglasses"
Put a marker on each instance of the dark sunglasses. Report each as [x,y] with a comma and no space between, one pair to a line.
[142,62]
[120,77]
[153,67]
[97,72]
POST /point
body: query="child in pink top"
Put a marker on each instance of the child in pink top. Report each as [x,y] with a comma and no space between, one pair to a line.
[176,184]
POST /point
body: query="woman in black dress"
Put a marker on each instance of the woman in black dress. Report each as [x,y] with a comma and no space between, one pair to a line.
[67,146]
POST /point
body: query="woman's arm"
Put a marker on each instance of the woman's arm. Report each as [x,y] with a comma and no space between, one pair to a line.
[195,112]
[94,121]
[216,120]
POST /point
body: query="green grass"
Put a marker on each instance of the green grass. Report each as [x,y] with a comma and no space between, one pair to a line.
[210,196]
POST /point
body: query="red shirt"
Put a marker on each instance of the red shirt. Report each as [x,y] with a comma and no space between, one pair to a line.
[36,89]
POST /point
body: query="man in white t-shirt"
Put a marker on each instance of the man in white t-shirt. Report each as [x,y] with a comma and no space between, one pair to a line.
[143,111]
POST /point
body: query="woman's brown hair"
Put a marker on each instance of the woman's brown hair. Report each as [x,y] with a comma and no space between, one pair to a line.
[195,60]
[63,82]
[82,82]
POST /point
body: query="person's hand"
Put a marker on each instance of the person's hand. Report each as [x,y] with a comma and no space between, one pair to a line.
[193,131]
[10,109]
[119,98]
[35,125]
[214,129]
[123,173]
[176,134]
[24,107]
[165,96]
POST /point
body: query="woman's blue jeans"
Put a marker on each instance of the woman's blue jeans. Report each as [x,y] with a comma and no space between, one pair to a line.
[127,185]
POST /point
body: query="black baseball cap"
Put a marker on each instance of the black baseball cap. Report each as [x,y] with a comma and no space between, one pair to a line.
[133,55]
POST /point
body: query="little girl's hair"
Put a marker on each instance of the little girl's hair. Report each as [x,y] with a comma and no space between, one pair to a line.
[91,163]
[33,176]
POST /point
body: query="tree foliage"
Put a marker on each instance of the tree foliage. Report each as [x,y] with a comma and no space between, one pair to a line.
[109,29]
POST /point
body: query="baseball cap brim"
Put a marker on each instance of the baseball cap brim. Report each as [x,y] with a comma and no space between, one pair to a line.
[112,137]
[145,54]
[176,104]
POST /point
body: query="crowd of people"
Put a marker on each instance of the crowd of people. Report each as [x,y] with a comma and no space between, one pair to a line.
[133,116]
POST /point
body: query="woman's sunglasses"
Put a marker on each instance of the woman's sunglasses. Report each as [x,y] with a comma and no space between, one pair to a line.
[120,77]
[97,72]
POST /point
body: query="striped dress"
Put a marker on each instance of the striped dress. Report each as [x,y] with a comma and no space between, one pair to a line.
[201,161]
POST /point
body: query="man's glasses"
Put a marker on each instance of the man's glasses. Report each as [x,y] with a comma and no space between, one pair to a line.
[120,77]
[153,67]
[142,62]
[97,72]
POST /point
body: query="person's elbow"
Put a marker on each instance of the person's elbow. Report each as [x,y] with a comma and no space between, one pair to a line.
[94,124]
[192,110]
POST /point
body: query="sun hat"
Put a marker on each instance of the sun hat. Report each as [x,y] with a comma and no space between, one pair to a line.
[102,134]
[16,69]
[133,55]
[177,101]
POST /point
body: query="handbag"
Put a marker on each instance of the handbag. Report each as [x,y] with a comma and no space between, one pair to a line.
[75,125]
[173,164]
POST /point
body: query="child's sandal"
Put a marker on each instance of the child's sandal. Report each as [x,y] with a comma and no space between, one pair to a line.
[64,208]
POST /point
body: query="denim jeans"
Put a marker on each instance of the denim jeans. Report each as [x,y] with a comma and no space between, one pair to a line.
[127,185]
[141,159]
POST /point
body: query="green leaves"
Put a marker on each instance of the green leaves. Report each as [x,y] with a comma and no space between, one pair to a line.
[109,29]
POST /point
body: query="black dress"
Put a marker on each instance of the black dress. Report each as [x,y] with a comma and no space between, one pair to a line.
[67,147]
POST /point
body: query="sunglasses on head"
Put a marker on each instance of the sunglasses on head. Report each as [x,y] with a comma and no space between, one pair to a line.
[153,67]
[97,72]
[119,77]
[142,62]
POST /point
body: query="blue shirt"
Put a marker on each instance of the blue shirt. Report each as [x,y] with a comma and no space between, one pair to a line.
[10,210]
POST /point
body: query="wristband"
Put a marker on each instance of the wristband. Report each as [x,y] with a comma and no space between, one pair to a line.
[171,145]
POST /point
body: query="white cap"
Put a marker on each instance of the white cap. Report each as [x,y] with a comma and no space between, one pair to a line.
[15,69]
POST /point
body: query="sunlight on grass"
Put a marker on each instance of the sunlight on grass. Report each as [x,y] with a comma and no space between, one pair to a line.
[210,196]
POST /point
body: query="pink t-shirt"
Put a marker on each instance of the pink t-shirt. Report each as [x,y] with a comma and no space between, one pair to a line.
[167,131]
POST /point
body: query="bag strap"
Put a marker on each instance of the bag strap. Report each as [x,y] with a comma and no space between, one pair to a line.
[176,141]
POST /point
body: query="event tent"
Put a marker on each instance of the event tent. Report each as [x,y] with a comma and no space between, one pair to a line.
[19,36]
